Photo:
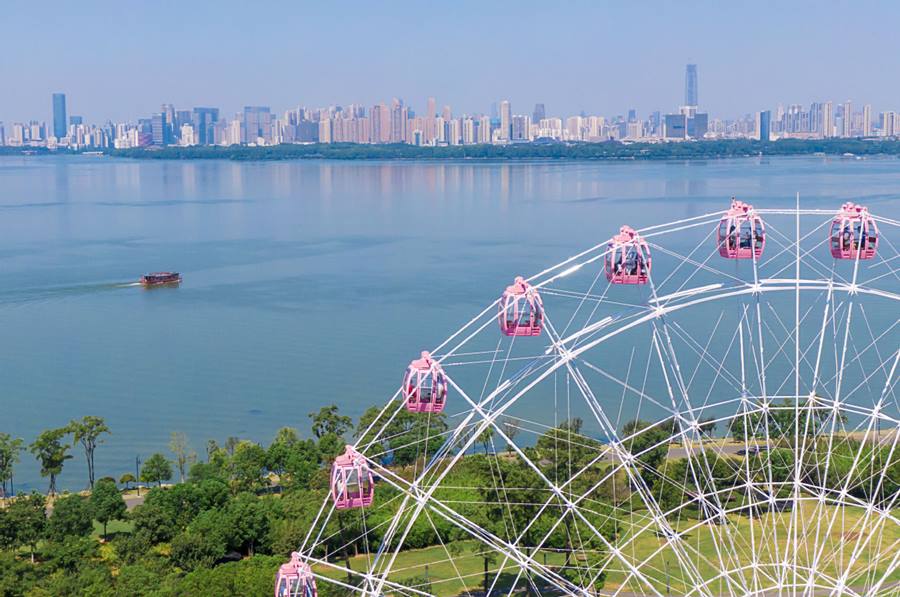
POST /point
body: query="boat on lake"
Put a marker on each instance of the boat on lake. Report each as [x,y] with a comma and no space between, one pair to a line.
[161,279]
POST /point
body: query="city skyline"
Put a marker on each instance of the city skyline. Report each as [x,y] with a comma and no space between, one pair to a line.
[400,123]
[596,58]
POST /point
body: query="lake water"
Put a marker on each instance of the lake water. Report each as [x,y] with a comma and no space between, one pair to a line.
[305,283]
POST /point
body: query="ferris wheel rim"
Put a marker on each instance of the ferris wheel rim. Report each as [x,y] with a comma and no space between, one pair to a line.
[654,309]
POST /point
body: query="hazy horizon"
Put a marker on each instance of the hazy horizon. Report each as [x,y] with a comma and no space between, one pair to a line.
[120,62]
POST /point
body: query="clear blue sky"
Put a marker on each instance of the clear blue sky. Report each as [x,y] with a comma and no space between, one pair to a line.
[121,59]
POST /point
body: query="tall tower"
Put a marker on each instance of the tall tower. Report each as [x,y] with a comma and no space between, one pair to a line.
[867,121]
[828,119]
[690,86]
[59,115]
[540,113]
[847,120]
[505,120]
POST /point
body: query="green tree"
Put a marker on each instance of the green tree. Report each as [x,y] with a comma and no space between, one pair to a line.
[650,444]
[87,432]
[127,479]
[178,444]
[330,446]
[302,464]
[28,515]
[156,470]
[486,438]
[72,517]
[708,425]
[107,503]
[153,522]
[191,551]
[7,534]
[280,448]
[71,555]
[52,453]
[414,436]
[247,524]
[328,421]
[511,429]
[10,447]
[367,431]
[249,465]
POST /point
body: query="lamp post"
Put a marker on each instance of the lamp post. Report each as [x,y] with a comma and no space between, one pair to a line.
[137,474]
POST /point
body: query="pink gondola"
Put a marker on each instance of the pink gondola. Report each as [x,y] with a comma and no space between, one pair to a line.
[295,579]
[853,231]
[628,258]
[521,310]
[352,482]
[741,233]
[424,385]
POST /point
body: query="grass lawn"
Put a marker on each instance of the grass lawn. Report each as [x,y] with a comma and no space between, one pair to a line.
[465,572]
[113,528]
[768,540]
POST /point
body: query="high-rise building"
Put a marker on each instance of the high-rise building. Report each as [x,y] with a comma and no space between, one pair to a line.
[763,125]
[697,125]
[632,115]
[828,119]
[847,120]
[888,124]
[257,124]
[59,115]
[169,111]
[204,121]
[867,121]
[505,120]
[691,93]
[540,113]
[484,130]
[398,121]
[655,123]
[676,126]
[159,129]
[520,126]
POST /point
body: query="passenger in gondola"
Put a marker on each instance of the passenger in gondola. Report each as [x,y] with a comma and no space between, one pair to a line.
[745,238]
[631,263]
[846,238]
[731,236]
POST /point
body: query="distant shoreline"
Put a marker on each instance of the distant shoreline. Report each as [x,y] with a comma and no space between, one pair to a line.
[607,151]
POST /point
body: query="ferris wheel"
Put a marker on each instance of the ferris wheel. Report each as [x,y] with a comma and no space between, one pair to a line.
[703,407]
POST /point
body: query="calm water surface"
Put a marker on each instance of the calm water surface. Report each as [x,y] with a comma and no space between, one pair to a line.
[305,283]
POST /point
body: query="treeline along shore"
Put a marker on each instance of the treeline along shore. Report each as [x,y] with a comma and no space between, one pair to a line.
[611,150]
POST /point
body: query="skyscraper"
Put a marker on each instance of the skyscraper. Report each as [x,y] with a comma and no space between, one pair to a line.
[690,86]
[847,120]
[59,115]
[398,121]
[867,121]
[540,113]
[763,125]
[888,124]
[505,120]
[159,129]
[204,120]
[828,119]
[257,123]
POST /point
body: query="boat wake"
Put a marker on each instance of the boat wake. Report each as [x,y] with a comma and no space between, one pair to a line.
[22,296]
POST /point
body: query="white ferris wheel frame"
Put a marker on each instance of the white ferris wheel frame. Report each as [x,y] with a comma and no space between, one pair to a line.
[565,354]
